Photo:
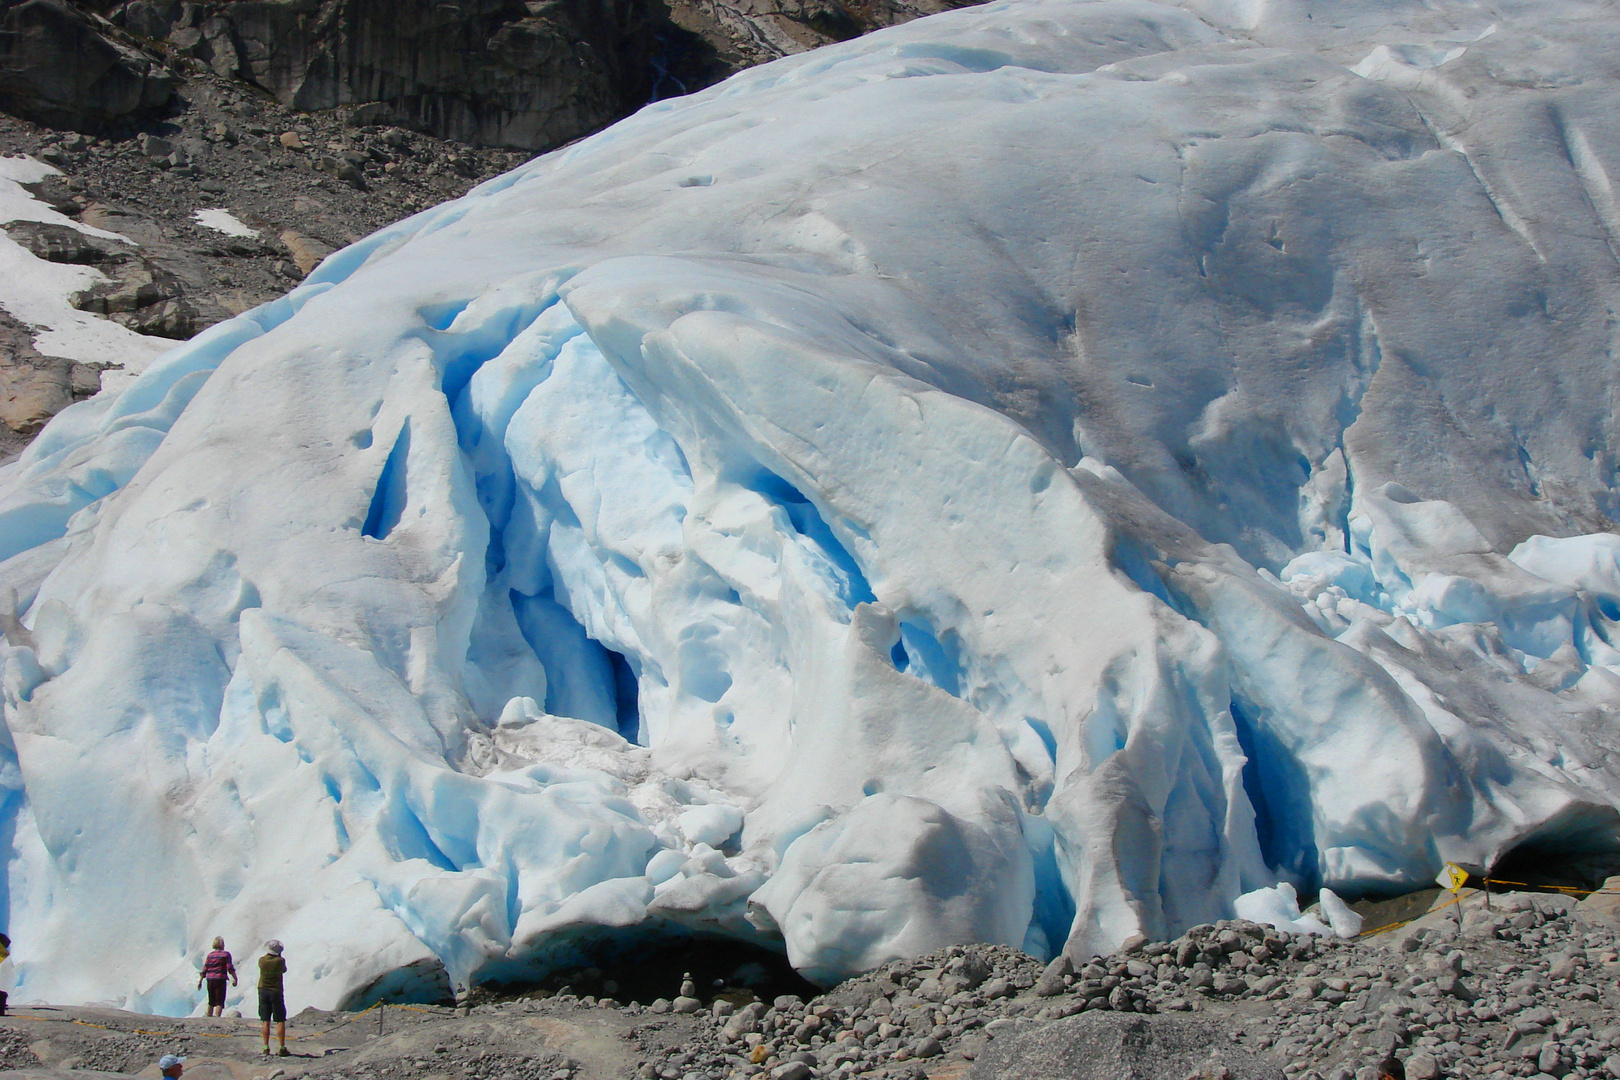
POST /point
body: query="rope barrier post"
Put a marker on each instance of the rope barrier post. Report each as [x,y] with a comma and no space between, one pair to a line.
[382,1007]
[1452,879]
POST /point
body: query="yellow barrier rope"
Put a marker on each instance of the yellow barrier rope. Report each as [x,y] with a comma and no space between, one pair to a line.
[1492,881]
[1397,925]
[226,1034]
[1555,888]
[208,1034]
[416,1008]
[123,1031]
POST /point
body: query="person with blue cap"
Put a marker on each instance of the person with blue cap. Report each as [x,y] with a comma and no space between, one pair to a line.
[171,1065]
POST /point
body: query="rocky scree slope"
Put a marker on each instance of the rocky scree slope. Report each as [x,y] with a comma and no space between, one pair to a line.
[305,183]
[1524,987]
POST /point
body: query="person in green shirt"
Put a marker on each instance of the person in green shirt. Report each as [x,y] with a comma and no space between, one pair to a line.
[272,1000]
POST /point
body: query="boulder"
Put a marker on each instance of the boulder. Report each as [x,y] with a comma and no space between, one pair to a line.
[1602,908]
[64,244]
[1051,982]
[306,252]
[31,395]
[60,66]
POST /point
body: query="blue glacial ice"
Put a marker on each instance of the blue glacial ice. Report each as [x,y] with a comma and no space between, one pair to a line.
[1034,475]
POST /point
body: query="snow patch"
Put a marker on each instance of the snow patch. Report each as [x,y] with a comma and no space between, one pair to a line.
[223,221]
[37,293]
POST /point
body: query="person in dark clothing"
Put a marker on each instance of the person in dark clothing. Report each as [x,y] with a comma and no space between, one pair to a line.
[217,966]
[272,1000]
[5,951]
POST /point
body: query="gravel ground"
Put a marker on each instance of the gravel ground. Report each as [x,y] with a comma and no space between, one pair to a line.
[1525,988]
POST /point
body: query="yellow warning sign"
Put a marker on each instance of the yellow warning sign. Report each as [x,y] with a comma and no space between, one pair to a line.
[1452,878]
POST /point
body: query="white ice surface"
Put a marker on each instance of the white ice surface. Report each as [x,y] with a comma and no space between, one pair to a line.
[36,292]
[225,222]
[1054,468]
[1278,906]
[1345,922]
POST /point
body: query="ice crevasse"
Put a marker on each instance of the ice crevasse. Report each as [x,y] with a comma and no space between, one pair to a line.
[1032,475]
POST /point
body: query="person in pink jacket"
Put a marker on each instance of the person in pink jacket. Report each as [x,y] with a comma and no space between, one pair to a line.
[217,967]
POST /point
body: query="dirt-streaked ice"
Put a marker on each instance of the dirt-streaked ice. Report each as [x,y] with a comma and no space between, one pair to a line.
[1035,475]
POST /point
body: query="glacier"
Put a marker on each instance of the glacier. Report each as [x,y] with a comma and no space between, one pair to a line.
[1033,475]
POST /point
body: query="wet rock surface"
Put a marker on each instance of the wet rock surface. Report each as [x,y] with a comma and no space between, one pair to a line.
[33,388]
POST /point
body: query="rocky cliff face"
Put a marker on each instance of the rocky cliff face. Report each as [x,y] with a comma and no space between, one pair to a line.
[520,73]
[741,33]
[300,185]
[481,71]
[62,65]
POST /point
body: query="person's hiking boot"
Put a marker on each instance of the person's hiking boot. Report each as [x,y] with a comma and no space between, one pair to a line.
[284,1052]
[267,1051]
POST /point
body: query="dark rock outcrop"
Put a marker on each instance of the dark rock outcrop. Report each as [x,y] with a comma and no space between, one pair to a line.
[65,67]
[480,71]
[529,74]
[522,73]
[33,388]
[741,33]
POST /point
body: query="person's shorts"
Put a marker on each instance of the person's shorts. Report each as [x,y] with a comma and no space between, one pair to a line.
[216,993]
[272,1006]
